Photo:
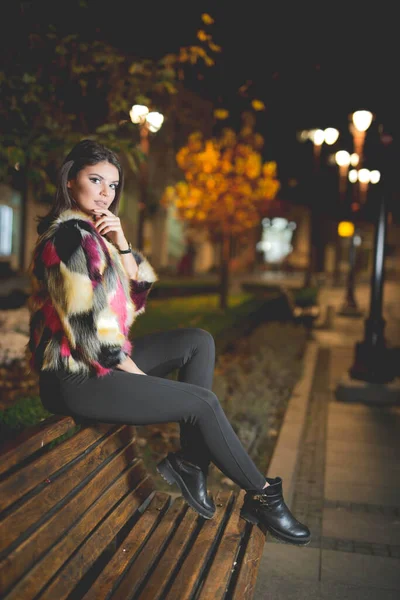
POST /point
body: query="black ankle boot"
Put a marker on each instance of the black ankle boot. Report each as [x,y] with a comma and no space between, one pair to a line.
[268,509]
[191,480]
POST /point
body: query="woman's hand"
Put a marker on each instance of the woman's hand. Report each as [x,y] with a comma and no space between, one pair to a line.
[129,366]
[109,225]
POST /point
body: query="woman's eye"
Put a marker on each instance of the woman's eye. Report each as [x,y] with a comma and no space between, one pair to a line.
[114,186]
[94,179]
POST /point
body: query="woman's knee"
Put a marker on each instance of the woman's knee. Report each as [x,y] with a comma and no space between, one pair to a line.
[204,401]
[202,337]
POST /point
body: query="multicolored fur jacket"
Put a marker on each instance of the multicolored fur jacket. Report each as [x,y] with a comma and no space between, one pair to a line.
[82,303]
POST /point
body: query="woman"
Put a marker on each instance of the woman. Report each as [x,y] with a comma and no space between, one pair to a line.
[88,286]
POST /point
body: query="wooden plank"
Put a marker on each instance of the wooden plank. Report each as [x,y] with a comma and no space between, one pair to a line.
[28,513]
[138,571]
[198,557]
[157,582]
[131,545]
[24,480]
[72,572]
[65,527]
[249,565]
[32,439]
[218,577]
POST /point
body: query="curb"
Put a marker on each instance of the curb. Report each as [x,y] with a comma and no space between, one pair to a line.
[285,458]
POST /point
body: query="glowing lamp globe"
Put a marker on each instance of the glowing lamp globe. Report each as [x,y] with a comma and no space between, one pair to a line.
[138,113]
[155,121]
[331,136]
[362,119]
[342,158]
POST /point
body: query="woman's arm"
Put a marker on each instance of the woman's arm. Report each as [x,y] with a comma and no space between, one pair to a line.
[140,272]
[129,263]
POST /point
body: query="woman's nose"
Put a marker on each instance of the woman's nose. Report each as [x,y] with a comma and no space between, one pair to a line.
[105,190]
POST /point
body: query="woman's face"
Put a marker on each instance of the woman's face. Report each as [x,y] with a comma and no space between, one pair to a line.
[94,187]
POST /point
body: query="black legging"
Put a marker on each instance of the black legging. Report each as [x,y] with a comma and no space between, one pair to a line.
[205,432]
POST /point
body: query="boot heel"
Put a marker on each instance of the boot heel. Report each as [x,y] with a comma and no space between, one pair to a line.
[162,468]
[249,517]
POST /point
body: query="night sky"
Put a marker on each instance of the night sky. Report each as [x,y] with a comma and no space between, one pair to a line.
[312,64]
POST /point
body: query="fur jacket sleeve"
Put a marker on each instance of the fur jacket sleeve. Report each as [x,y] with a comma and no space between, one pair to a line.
[83,302]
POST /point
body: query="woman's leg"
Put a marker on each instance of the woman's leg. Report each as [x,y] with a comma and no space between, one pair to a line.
[143,400]
[192,352]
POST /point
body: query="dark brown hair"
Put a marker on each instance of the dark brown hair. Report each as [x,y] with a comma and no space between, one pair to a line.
[83,154]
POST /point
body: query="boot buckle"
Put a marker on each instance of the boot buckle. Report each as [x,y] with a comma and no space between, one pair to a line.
[262,499]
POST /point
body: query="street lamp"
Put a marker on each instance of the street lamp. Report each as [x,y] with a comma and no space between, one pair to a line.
[361,120]
[343,160]
[373,362]
[149,122]
[365,177]
[350,307]
[318,137]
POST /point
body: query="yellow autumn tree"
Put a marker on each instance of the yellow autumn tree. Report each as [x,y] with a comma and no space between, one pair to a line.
[227,187]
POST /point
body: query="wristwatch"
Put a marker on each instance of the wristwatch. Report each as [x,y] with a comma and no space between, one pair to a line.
[126,251]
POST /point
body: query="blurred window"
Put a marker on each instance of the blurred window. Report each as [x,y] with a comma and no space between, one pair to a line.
[6,224]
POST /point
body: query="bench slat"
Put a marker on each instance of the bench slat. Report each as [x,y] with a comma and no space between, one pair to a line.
[26,515]
[248,569]
[218,577]
[24,480]
[64,582]
[58,559]
[32,439]
[115,569]
[140,569]
[74,521]
[158,581]
[199,554]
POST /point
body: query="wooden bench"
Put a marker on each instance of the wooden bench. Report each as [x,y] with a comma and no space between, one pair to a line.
[80,518]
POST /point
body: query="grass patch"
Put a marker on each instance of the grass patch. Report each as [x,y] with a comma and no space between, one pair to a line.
[26,412]
[197,311]
[305,296]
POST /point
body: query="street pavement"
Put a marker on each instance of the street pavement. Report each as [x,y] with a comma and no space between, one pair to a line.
[347,479]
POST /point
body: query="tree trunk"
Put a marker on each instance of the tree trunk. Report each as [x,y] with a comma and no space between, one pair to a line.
[224,272]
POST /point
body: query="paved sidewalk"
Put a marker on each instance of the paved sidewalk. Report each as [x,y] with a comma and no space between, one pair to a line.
[347,480]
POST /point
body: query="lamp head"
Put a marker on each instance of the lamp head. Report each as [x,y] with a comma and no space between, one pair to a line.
[342,158]
[362,119]
[331,135]
[364,175]
[353,175]
[155,121]
[318,137]
[138,113]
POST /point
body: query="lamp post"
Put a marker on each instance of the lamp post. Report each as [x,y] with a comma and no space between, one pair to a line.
[350,307]
[364,177]
[318,137]
[342,159]
[373,362]
[149,122]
